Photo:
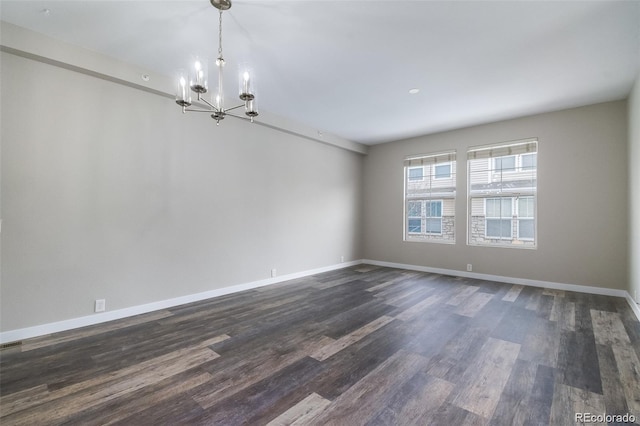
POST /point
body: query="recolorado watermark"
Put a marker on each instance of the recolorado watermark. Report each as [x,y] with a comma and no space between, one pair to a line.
[604,418]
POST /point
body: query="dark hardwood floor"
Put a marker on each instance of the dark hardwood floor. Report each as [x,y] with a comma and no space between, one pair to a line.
[362,345]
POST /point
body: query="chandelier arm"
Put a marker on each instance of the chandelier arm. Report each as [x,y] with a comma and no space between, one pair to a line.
[241,117]
[235,107]
[210,105]
[198,110]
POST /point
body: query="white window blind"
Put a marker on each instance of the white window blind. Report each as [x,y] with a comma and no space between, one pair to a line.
[429,198]
[502,189]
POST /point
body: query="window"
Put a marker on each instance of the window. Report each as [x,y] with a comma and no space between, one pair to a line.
[442,171]
[529,161]
[498,217]
[514,163]
[502,188]
[525,219]
[434,217]
[504,164]
[430,190]
[416,173]
[425,217]
[415,217]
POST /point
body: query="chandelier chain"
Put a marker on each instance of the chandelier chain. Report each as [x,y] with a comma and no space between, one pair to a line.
[220,35]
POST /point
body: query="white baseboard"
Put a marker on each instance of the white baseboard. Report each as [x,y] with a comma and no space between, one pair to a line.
[634,306]
[54,327]
[511,280]
[44,329]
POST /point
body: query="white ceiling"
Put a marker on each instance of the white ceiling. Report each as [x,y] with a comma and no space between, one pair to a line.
[345,67]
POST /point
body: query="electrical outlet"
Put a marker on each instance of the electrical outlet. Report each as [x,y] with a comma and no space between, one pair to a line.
[341,259]
[469,267]
[274,273]
[100,305]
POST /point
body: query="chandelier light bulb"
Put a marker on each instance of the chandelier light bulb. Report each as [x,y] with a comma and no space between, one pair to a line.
[183,95]
[199,78]
[245,82]
[245,87]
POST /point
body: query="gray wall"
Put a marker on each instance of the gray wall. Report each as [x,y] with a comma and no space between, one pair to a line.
[110,192]
[634,191]
[582,200]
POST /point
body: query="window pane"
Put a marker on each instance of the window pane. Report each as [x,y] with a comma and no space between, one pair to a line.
[415,208]
[529,161]
[506,207]
[492,207]
[505,164]
[525,207]
[434,208]
[443,171]
[525,229]
[498,228]
[433,226]
[498,207]
[414,225]
[416,173]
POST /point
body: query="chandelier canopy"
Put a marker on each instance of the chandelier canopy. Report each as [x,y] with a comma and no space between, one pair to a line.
[197,81]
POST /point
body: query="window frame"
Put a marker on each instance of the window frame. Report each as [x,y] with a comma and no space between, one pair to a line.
[484,182]
[441,191]
[500,218]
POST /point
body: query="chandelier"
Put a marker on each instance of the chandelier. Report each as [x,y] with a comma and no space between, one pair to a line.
[196,81]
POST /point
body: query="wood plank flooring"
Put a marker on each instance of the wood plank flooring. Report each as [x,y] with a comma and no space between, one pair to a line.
[360,346]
